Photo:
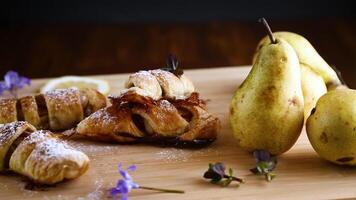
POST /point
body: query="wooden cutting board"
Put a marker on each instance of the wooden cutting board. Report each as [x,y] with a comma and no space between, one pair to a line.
[301,174]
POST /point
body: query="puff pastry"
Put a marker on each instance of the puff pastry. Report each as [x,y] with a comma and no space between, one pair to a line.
[38,155]
[55,110]
[155,106]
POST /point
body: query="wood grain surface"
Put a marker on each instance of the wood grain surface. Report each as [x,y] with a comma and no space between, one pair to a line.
[301,174]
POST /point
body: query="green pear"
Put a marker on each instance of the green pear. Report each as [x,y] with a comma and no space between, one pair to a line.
[307,56]
[266,111]
[331,127]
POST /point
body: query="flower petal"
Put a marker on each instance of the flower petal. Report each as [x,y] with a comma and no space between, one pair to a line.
[3,87]
[261,155]
[219,168]
[11,78]
[124,196]
[131,168]
[119,167]
[124,186]
[125,175]
[114,191]
[22,81]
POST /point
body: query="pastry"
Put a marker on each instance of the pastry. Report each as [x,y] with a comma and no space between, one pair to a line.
[56,110]
[38,155]
[155,106]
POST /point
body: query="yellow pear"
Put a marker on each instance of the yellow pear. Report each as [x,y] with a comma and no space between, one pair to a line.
[313,87]
[331,127]
[307,56]
[267,110]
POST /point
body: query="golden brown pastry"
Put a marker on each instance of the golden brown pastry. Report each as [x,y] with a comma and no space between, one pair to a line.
[7,110]
[38,155]
[156,106]
[59,109]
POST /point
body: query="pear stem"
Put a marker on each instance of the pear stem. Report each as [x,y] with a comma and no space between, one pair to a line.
[162,190]
[269,31]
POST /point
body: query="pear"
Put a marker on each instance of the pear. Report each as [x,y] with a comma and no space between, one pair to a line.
[331,128]
[313,88]
[307,56]
[267,110]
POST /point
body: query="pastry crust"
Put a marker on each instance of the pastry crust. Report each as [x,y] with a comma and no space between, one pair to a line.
[29,109]
[178,115]
[64,108]
[110,124]
[8,134]
[7,110]
[159,84]
[161,119]
[38,155]
[55,110]
[93,99]
[47,160]
[145,84]
[171,86]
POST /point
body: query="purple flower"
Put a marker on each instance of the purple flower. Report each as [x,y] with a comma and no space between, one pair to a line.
[12,82]
[261,155]
[125,185]
[265,164]
[216,174]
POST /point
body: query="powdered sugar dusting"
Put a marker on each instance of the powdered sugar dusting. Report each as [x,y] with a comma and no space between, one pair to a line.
[49,147]
[25,192]
[8,130]
[3,187]
[166,105]
[144,74]
[57,197]
[53,148]
[98,192]
[63,97]
[94,148]
[173,155]
[103,116]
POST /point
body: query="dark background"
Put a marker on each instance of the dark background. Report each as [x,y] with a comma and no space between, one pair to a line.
[52,38]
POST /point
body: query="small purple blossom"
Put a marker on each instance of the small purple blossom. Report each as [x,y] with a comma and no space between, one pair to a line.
[125,185]
[265,164]
[261,155]
[12,82]
[216,174]
[219,168]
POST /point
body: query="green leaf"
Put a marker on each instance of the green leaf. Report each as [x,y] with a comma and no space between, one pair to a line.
[231,172]
[214,181]
[226,182]
[210,165]
[269,176]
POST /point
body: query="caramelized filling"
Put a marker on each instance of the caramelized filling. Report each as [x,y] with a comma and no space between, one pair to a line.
[42,111]
[20,116]
[186,114]
[132,100]
[13,147]
[138,121]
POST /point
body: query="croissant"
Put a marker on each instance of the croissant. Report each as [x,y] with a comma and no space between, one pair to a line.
[55,110]
[38,155]
[156,106]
